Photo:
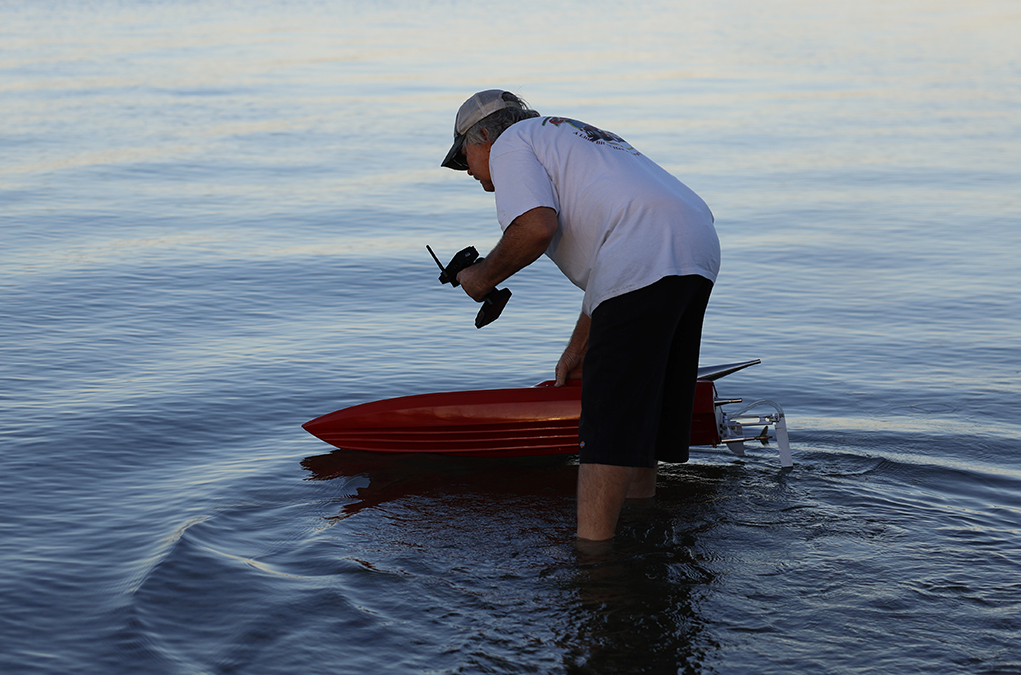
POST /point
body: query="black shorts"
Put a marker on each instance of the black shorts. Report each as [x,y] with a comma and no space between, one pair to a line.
[638,379]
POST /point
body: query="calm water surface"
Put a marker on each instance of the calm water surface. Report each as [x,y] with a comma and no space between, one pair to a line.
[212,228]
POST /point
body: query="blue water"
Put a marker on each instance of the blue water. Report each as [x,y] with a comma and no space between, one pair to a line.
[212,228]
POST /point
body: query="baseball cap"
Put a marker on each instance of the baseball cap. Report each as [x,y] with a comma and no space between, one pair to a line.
[478,107]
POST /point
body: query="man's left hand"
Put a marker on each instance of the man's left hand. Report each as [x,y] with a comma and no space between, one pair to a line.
[473,281]
[522,242]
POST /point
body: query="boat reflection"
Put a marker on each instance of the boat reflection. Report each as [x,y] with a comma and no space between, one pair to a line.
[393,477]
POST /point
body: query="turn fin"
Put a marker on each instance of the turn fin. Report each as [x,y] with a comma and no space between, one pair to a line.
[716,372]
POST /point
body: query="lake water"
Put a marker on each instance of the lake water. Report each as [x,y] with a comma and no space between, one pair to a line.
[213,219]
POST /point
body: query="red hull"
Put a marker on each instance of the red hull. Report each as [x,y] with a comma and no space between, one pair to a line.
[539,420]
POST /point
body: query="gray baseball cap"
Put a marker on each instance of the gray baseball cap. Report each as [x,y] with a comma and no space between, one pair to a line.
[478,107]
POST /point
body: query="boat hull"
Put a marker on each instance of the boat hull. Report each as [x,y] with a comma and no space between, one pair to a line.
[521,422]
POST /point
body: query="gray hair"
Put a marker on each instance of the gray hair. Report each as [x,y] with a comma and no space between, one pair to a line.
[499,121]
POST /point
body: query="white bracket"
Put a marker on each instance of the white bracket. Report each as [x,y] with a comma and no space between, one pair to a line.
[732,428]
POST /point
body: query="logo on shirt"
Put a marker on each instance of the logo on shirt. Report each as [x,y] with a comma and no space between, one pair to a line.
[593,134]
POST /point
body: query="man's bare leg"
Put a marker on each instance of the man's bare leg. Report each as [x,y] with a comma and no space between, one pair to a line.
[643,483]
[601,492]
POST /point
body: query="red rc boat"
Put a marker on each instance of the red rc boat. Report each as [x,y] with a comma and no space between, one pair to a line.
[539,420]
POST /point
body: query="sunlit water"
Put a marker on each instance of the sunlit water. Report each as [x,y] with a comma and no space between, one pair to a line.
[212,228]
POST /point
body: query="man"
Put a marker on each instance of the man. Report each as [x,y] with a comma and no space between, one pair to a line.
[643,248]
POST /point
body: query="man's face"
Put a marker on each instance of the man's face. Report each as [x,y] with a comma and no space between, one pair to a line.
[477,156]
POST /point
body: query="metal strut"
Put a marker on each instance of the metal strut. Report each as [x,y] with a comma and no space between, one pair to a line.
[732,427]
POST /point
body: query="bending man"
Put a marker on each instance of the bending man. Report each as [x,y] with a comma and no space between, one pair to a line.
[640,244]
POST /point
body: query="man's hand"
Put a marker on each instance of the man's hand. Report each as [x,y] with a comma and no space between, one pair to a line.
[522,243]
[473,281]
[569,367]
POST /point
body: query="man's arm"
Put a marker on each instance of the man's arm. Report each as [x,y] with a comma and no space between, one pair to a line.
[522,243]
[569,365]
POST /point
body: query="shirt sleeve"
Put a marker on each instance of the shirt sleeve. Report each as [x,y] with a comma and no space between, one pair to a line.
[522,184]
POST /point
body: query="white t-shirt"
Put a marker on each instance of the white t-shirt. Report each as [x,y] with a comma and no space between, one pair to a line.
[624,222]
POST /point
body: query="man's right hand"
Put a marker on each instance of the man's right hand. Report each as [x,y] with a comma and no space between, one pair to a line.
[569,367]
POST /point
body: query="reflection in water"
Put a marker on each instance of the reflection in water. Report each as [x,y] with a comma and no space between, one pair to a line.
[637,597]
[395,476]
[627,606]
